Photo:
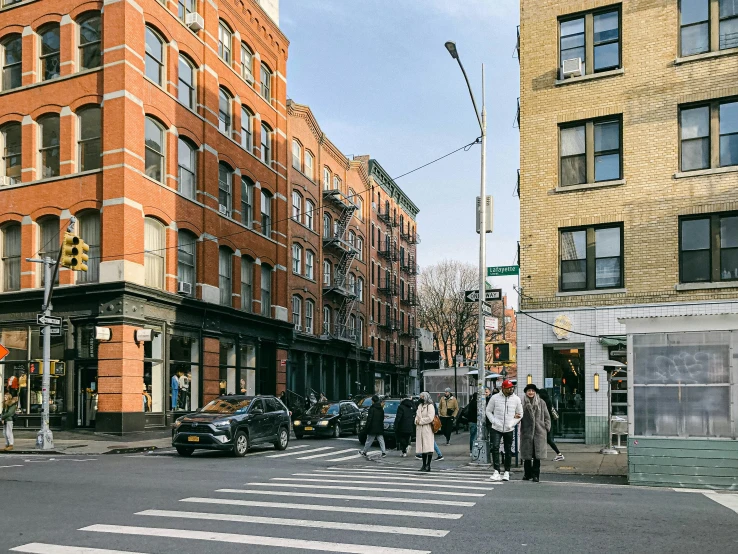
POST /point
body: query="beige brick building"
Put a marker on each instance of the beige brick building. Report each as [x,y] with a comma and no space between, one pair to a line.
[629,171]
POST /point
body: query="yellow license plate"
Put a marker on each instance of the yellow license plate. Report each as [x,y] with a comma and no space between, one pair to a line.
[308,428]
[193,439]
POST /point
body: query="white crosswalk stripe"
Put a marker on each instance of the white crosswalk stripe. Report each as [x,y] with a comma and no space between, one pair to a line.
[300,452]
[43,548]
[346,458]
[354,497]
[326,454]
[376,489]
[387,481]
[394,475]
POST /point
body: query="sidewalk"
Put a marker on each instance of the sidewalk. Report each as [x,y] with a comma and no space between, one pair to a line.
[86,442]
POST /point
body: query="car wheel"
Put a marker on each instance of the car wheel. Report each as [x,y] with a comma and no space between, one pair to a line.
[362,439]
[283,439]
[337,431]
[240,444]
[298,436]
[185,451]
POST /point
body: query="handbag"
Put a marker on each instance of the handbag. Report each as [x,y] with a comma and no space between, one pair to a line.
[554,414]
[436,424]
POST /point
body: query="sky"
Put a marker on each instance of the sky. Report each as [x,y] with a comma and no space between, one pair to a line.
[379,80]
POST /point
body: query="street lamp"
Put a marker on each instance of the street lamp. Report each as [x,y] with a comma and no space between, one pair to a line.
[480,455]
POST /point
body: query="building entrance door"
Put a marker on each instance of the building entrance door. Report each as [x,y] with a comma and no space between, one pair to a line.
[564,381]
[86,395]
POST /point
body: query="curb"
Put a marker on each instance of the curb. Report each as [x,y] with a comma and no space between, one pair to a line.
[131,450]
[34,452]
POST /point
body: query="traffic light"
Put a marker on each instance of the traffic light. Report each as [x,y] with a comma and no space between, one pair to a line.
[74,253]
[501,352]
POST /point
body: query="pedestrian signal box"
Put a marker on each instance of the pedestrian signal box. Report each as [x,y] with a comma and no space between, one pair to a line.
[503,352]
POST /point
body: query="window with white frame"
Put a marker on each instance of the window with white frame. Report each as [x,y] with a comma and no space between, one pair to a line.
[309,315]
[225,275]
[266,144]
[186,170]
[352,239]
[154,251]
[266,214]
[359,201]
[309,159]
[297,312]
[326,273]
[352,283]
[309,264]
[225,38]
[225,118]
[360,332]
[326,320]
[296,155]
[326,178]
[48,240]
[360,248]
[154,147]
[247,201]
[360,289]
[247,63]
[186,82]
[309,210]
[12,57]
[186,248]
[185,8]
[247,135]
[327,225]
[225,181]
[296,206]
[266,82]
[296,259]
[247,283]
[336,182]
[154,61]
[49,55]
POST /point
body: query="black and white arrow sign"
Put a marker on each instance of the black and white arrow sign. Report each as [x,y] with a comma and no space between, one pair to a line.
[489,295]
[42,319]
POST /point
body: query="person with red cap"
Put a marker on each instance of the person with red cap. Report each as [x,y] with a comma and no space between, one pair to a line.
[503,412]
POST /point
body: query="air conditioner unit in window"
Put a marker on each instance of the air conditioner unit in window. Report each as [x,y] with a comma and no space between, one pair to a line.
[248,77]
[6,181]
[194,21]
[223,209]
[184,288]
[298,327]
[572,68]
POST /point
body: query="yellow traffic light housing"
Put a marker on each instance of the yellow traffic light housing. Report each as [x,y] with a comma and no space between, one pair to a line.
[74,253]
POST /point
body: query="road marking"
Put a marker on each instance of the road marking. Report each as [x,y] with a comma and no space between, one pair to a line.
[408,473]
[395,477]
[349,497]
[313,524]
[346,458]
[321,508]
[326,454]
[373,482]
[300,452]
[298,446]
[347,439]
[375,489]
[730,501]
[43,548]
[16,465]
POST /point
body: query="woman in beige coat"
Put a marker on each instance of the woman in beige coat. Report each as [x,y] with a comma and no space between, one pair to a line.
[424,439]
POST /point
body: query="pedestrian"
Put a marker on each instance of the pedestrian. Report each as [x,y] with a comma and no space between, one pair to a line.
[10,404]
[503,412]
[533,432]
[470,413]
[448,410]
[424,430]
[543,394]
[374,427]
[404,422]
[175,390]
[184,391]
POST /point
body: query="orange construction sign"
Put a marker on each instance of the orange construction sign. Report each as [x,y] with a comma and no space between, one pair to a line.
[3,352]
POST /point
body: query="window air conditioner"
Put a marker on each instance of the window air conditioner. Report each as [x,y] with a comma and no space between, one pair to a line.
[6,181]
[248,77]
[194,21]
[298,327]
[572,68]
[184,288]
[223,209]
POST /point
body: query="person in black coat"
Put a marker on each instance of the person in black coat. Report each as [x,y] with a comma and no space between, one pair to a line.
[549,438]
[374,427]
[405,424]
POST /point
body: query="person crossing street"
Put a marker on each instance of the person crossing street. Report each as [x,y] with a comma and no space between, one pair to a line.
[504,412]
[374,427]
[448,409]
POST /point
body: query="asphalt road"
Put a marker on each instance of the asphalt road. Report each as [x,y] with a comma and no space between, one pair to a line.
[318,496]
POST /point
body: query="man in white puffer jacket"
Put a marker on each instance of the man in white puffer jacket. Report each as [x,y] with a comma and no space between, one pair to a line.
[504,411]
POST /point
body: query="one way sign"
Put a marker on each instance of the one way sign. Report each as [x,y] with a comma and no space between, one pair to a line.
[471,296]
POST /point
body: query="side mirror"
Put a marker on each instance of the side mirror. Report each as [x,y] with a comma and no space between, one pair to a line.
[257,411]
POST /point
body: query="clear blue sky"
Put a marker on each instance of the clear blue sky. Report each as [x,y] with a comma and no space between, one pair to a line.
[380,82]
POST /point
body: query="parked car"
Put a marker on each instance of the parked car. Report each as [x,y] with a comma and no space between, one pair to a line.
[365,402]
[233,423]
[329,419]
[390,412]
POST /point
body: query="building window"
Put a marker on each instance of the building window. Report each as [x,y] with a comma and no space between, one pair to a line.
[154,65]
[266,144]
[372,234]
[247,63]
[309,316]
[225,37]
[309,265]
[296,206]
[90,131]
[728,24]
[246,129]
[49,150]
[154,147]
[336,183]
[296,155]
[594,38]
[184,8]
[247,201]
[266,291]
[186,248]
[48,242]
[186,85]
[590,152]
[90,39]
[266,214]
[360,248]
[247,280]
[591,258]
[49,52]
[309,165]
[154,250]
[225,180]
[296,259]
[297,312]
[225,121]
[352,283]
[326,273]
[326,320]
[11,149]
[225,274]
[359,201]
[708,248]
[360,289]
[352,239]
[10,256]
[360,332]
[266,83]
[326,226]
[186,171]
[697,20]
[704,146]
[12,57]
[309,209]
[89,230]
[371,276]
[326,178]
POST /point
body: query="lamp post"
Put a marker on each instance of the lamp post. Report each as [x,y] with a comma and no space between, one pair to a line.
[480,454]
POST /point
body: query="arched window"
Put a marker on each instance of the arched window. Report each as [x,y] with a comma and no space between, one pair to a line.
[296,259]
[326,320]
[48,241]
[326,178]
[327,225]
[49,52]
[352,283]
[225,181]
[225,272]
[309,165]
[297,312]
[309,315]
[90,39]
[90,133]
[10,257]
[11,151]
[247,201]
[186,168]
[352,238]
[225,120]
[12,57]
[225,38]
[89,231]
[154,146]
[336,182]
[247,280]
[360,248]
[309,211]
[266,144]
[352,326]
[266,213]
[49,145]
[247,63]
[154,251]
[266,82]
[359,201]
[266,290]
[187,82]
[296,206]
[154,64]
[296,155]
[247,132]
[327,273]
[186,268]
[309,264]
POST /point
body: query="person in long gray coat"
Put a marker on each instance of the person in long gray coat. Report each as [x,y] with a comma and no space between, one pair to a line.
[533,433]
[424,439]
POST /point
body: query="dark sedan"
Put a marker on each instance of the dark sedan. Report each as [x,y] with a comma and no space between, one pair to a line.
[328,419]
[233,423]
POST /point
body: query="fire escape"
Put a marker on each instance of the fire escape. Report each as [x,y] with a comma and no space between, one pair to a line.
[408,294]
[334,240]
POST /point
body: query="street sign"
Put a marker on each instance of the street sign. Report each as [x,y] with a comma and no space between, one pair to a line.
[3,352]
[42,319]
[55,331]
[489,295]
[486,309]
[503,270]
[491,323]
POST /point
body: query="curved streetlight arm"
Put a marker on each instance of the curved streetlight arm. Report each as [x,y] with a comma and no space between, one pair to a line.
[471,93]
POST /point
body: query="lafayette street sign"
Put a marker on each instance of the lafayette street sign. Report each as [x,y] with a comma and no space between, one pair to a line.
[489,295]
[503,270]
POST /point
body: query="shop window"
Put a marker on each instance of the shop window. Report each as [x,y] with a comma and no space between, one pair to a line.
[154,60]
[153,383]
[227,367]
[184,357]
[154,252]
[32,403]
[90,132]
[186,82]
[247,284]
[49,52]
[186,168]
[49,147]
[89,230]
[90,39]
[12,54]
[247,201]
[247,369]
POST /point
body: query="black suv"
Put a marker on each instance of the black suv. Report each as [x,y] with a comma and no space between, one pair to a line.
[233,423]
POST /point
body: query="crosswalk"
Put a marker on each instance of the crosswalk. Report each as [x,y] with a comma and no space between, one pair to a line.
[333,509]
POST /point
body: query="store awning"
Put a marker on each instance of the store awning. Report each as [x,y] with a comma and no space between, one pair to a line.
[613,341]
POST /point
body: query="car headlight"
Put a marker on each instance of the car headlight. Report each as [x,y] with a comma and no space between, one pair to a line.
[297,423]
[323,423]
[177,424]
[226,423]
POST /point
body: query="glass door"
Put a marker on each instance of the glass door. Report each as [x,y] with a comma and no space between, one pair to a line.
[564,381]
